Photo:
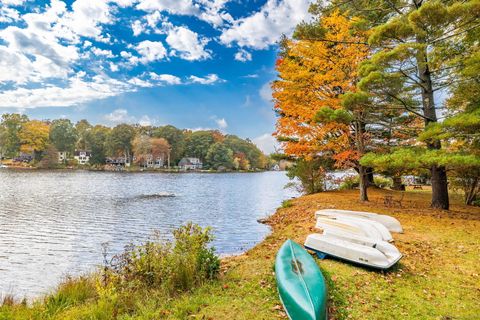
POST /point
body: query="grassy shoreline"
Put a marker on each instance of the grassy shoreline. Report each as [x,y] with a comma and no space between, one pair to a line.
[438,278]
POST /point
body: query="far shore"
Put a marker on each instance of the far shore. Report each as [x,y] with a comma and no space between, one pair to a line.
[131,170]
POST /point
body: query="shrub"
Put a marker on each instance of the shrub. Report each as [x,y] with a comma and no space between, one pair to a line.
[287,203]
[171,266]
[382,182]
[350,182]
[310,173]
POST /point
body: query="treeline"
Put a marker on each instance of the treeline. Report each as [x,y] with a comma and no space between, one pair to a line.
[390,87]
[44,139]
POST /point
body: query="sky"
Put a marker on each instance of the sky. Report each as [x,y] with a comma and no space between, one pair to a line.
[195,64]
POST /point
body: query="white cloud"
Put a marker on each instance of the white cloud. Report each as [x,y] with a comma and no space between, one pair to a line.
[77,91]
[267,143]
[243,55]
[265,92]
[264,27]
[124,3]
[186,44]
[8,15]
[145,121]
[12,2]
[183,7]
[140,83]
[221,123]
[121,115]
[251,76]
[210,11]
[125,54]
[113,67]
[151,51]
[101,52]
[166,78]
[209,79]
[137,28]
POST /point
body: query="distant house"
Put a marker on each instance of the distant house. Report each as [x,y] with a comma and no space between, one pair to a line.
[152,162]
[190,164]
[82,156]
[23,157]
[116,161]
[62,156]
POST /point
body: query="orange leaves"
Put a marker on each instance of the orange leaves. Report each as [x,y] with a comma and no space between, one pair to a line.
[314,75]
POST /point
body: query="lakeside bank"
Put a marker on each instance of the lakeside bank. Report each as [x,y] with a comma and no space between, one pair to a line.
[438,278]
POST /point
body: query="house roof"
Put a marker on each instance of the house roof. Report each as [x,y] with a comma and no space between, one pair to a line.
[190,160]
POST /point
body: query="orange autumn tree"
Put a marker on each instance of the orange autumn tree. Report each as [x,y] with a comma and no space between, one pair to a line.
[34,137]
[314,76]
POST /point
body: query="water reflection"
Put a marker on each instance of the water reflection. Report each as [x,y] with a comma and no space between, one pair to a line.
[52,223]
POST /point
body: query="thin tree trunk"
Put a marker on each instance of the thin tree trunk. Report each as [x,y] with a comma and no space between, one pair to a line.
[471,193]
[363,183]
[362,171]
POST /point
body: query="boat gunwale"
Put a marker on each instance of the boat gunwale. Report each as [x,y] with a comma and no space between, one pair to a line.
[356,262]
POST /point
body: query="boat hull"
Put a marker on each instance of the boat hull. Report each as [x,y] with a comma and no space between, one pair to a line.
[357,249]
[349,225]
[300,283]
[392,224]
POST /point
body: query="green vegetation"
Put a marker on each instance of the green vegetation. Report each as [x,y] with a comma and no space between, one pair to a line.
[359,85]
[436,279]
[140,283]
[24,140]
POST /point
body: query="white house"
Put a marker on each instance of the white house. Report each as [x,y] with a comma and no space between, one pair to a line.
[62,156]
[158,162]
[82,156]
[190,164]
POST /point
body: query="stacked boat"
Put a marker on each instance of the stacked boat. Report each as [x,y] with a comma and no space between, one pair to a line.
[356,236]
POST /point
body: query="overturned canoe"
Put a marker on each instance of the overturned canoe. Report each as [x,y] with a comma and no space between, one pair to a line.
[353,226]
[389,222]
[357,249]
[300,283]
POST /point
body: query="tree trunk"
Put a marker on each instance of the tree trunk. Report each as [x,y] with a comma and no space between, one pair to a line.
[370,180]
[363,183]
[397,183]
[439,174]
[439,188]
[362,171]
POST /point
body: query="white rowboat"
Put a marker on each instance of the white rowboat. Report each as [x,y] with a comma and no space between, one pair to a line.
[354,248]
[351,226]
[392,224]
[365,223]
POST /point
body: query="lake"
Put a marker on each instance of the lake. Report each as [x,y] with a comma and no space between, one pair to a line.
[53,223]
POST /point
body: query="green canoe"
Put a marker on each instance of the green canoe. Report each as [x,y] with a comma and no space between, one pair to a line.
[300,283]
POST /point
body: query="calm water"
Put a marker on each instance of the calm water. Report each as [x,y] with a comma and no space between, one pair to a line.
[53,223]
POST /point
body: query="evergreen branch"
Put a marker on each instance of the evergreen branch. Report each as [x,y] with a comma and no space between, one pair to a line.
[408,107]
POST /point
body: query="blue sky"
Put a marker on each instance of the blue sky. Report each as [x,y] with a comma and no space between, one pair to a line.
[191,63]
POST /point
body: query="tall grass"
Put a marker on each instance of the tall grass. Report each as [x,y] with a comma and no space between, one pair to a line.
[137,281]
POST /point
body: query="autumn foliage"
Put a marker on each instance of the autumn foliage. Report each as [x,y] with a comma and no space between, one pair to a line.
[313,75]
